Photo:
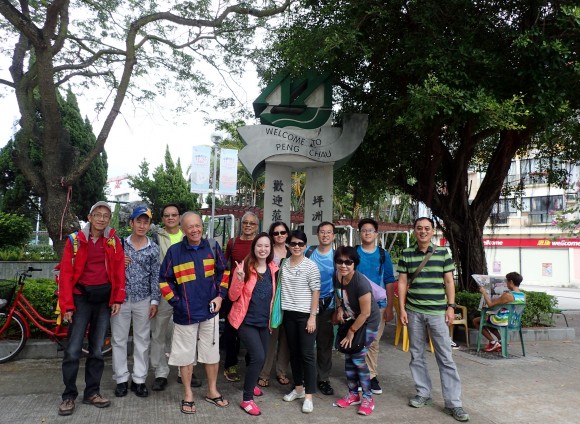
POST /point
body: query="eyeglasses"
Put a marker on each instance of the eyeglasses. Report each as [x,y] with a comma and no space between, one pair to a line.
[297,243]
[279,233]
[367,231]
[347,262]
[104,216]
[326,233]
[251,224]
[170,215]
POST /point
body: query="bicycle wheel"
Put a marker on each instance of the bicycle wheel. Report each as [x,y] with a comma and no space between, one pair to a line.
[12,339]
[106,348]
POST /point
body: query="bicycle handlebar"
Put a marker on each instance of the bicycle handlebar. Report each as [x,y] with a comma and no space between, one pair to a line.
[34,269]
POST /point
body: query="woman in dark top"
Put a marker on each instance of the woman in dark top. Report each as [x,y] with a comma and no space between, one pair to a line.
[252,292]
[354,301]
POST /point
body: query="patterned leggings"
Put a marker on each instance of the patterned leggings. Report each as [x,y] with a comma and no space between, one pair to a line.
[357,370]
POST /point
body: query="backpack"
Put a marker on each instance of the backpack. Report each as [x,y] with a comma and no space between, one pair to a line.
[309,251]
[74,241]
[382,260]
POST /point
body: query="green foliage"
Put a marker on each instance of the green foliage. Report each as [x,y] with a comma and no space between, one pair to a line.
[15,230]
[470,300]
[28,253]
[41,294]
[539,309]
[18,195]
[168,185]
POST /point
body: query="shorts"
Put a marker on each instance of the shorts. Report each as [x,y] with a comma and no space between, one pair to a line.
[195,343]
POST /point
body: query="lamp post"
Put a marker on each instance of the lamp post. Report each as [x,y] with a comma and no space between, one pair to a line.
[215,139]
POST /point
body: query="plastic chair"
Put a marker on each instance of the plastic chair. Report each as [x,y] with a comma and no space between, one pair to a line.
[514,324]
[403,328]
[462,321]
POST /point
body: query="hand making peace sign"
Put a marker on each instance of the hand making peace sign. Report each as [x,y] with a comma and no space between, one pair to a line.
[240,270]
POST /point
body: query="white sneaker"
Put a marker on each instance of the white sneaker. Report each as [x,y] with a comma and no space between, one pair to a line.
[293,395]
[307,406]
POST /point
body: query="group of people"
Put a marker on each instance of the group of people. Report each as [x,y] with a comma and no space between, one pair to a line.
[140,283]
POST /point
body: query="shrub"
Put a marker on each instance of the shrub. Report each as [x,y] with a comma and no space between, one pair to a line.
[29,253]
[539,309]
[15,230]
[40,293]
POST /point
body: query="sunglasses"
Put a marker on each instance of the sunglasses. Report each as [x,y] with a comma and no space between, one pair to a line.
[252,224]
[347,262]
[279,233]
[297,243]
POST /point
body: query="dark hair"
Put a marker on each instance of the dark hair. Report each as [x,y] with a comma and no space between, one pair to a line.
[348,252]
[324,223]
[251,261]
[277,224]
[368,221]
[299,234]
[175,205]
[421,218]
[515,278]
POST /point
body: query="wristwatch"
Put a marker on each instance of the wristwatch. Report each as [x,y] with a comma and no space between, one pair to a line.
[451,305]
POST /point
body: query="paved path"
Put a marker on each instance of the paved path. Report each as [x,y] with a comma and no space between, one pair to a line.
[539,388]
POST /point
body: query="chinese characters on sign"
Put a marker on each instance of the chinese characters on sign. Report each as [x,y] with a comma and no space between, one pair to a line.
[277,200]
[317,214]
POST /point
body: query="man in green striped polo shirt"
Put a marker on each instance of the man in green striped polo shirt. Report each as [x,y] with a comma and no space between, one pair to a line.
[428,302]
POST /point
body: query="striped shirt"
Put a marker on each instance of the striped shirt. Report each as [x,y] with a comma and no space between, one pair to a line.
[298,283]
[426,294]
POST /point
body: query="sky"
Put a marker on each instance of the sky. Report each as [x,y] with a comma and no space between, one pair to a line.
[143,131]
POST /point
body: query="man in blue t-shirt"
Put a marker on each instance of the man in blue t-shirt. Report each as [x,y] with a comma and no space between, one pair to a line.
[323,256]
[376,265]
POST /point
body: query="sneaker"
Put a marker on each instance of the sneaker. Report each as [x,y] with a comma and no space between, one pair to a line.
[325,388]
[454,345]
[250,407]
[420,401]
[366,407]
[258,392]
[350,399]
[232,373]
[66,407]
[293,395]
[375,387]
[97,400]
[307,406]
[493,346]
[458,413]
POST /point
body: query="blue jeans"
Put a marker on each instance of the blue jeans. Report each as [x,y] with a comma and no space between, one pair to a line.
[96,318]
[450,382]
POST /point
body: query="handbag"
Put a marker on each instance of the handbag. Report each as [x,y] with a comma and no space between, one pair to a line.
[96,293]
[277,313]
[359,339]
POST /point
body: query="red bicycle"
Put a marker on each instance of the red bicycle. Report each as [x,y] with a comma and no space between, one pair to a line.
[16,316]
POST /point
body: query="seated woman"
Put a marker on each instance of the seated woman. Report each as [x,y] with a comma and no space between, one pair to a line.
[354,300]
[500,317]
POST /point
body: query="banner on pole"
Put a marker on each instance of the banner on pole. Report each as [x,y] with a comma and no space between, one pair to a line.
[228,172]
[200,168]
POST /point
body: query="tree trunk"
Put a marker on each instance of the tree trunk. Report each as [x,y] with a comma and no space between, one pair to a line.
[56,214]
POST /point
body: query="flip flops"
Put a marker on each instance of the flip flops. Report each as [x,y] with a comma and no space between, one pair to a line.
[217,400]
[186,404]
[263,382]
[283,380]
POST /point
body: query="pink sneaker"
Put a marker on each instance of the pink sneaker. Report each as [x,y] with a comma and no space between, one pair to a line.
[258,392]
[366,407]
[250,407]
[350,399]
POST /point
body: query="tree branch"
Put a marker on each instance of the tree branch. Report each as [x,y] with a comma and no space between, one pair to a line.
[62,31]
[21,22]
[82,74]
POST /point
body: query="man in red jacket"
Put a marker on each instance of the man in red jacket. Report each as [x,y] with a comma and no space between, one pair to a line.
[91,289]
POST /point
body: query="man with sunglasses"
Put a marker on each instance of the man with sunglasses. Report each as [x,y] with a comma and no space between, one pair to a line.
[237,250]
[376,265]
[323,256]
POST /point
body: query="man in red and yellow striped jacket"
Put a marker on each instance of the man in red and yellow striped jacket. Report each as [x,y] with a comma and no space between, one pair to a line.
[191,279]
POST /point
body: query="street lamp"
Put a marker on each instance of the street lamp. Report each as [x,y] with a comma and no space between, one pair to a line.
[215,139]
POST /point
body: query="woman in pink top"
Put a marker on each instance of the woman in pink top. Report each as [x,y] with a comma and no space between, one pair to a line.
[252,293]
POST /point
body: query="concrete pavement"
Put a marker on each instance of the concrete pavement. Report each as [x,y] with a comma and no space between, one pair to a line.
[541,387]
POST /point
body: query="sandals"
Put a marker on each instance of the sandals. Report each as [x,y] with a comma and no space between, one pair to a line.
[218,401]
[190,405]
[263,382]
[283,380]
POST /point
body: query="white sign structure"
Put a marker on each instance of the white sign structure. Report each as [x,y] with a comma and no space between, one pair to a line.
[228,172]
[200,166]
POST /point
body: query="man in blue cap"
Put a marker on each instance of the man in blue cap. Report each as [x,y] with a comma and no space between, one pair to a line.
[141,302]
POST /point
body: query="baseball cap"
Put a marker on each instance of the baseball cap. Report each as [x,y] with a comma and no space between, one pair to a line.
[99,204]
[141,210]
